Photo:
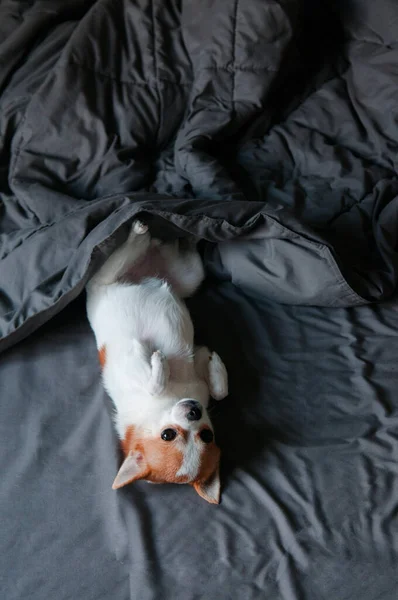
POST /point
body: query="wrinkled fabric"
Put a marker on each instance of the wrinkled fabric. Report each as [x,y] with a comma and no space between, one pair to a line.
[107,107]
[309,464]
[269,130]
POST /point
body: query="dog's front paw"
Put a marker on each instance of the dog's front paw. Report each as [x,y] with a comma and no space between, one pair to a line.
[139,227]
[160,373]
[158,358]
[218,377]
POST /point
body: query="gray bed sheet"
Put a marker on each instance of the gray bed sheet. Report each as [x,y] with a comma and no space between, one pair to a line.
[310,454]
[267,127]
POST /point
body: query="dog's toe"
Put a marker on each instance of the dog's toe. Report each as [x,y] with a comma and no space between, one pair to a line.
[158,357]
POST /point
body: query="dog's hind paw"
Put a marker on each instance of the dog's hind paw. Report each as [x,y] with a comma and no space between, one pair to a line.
[139,227]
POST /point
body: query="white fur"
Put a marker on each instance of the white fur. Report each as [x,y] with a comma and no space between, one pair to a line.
[151,362]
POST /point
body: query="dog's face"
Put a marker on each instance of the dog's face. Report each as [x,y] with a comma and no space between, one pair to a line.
[178,447]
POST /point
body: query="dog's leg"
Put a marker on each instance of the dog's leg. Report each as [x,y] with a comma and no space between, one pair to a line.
[160,373]
[189,269]
[184,265]
[211,368]
[124,257]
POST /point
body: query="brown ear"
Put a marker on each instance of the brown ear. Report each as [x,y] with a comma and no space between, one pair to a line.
[133,468]
[209,489]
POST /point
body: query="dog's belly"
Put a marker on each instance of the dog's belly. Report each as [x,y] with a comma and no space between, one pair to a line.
[152,264]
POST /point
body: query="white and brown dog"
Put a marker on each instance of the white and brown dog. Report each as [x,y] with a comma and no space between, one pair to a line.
[159,381]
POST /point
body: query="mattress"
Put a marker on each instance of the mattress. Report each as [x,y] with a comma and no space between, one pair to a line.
[270,131]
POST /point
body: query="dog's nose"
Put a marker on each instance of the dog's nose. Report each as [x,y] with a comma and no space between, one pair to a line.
[194,414]
[194,410]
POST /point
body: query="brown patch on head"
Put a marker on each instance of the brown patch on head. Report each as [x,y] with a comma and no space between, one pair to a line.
[163,459]
[210,459]
[128,442]
[207,482]
[102,356]
[158,461]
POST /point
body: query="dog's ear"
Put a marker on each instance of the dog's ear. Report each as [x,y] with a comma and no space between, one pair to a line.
[217,377]
[209,489]
[134,467]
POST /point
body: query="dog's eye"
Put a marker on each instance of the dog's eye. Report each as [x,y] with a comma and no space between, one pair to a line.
[168,435]
[206,436]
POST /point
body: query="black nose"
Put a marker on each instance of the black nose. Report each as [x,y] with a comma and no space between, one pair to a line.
[195,412]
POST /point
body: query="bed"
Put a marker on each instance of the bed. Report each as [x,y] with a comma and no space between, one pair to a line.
[268,129]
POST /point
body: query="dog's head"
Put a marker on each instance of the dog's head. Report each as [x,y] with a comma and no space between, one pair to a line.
[178,447]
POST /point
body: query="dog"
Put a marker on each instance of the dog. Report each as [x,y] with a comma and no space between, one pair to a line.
[159,382]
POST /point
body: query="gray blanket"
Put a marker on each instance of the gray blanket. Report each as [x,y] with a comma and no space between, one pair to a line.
[269,130]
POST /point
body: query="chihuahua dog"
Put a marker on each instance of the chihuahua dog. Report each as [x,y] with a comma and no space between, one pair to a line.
[160,383]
